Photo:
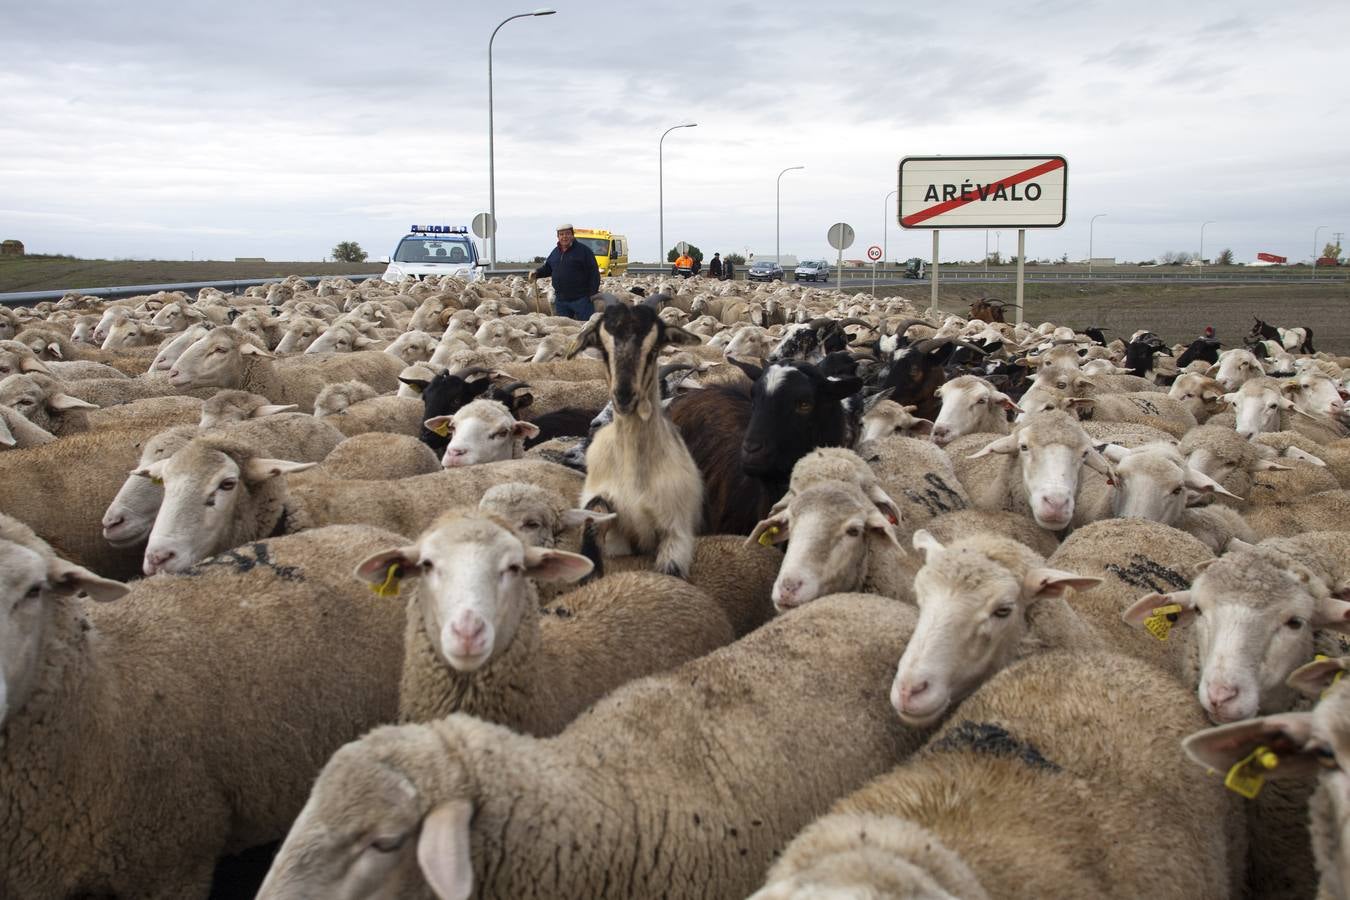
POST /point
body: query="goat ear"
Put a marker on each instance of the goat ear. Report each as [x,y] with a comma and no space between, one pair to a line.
[443,850]
[1044,582]
[1143,608]
[675,335]
[571,518]
[1004,445]
[839,388]
[260,469]
[752,371]
[870,402]
[588,336]
[544,564]
[67,578]
[1286,734]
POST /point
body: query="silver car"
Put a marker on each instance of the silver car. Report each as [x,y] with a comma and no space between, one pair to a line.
[812,270]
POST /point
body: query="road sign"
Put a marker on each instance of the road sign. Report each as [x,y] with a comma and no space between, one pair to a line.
[983,191]
[840,236]
[874,253]
[682,248]
[480,225]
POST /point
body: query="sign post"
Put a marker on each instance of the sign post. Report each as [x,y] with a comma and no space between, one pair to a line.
[840,237]
[983,192]
[484,226]
[874,254]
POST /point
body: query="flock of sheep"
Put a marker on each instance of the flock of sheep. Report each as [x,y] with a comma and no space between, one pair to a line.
[732,590]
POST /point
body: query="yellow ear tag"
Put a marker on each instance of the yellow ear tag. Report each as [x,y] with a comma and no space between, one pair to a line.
[442,429]
[158,481]
[389,588]
[417,388]
[1159,624]
[766,539]
[1246,777]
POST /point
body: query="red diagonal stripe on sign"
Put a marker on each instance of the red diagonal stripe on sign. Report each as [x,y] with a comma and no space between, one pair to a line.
[949,205]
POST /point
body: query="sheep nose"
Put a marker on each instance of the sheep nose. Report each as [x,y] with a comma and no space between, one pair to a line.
[111,522]
[786,593]
[941,434]
[155,560]
[1220,694]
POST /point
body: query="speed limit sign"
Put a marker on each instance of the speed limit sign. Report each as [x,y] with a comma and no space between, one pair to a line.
[874,253]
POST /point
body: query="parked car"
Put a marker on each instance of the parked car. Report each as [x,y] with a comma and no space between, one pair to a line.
[812,270]
[764,270]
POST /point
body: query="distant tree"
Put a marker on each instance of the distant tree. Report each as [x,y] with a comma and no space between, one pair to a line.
[1176,258]
[735,259]
[1064,259]
[1225,258]
[1331,251]
[694,252]
[996,258]
[540,259]
[349,251]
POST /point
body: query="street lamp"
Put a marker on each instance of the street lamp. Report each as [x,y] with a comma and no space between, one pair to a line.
[1202,245]
[886,224]
[1314,253]
[492,175]
[1092,222]
[778,214]
[661,183]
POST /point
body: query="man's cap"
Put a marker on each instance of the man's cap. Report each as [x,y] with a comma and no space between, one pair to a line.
[566,226]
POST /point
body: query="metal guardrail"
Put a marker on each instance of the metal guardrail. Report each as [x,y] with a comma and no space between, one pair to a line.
[232,285]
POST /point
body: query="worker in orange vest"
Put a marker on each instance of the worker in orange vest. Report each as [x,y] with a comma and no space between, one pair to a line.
[685,261]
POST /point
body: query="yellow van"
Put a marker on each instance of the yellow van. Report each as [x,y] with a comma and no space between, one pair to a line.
[611,250]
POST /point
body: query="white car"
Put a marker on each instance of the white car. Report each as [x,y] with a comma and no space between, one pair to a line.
[435,250]
[813,270]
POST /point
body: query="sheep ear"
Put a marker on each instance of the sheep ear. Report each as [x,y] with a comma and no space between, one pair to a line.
[1332,613]
[1296,453]
[1199,481]
[588,336]
[571,518]
[154,471]
[1286,734]
[1004,445]
[1114,452]
[1237,544]
[1212,370]
[1315,677]
[441,425]
[417,384]
[1143,608]
[55,350]
[375,569]
[545,564]
[525,430]
[33,365]
[1044,582]
[249,349]
[6,436]
[924,541]
[922,426]
[1267,465]
[773,530]
[260,468]
[674,334]
[877,524]
[272,409]
[1006,402]
[1096,461]
[443,850]
[65,401]
[883,502]
[68,578]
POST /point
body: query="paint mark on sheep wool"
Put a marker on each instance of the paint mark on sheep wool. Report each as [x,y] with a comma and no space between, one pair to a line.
[1147,574]
[245,559]
[938,498]
[986,737]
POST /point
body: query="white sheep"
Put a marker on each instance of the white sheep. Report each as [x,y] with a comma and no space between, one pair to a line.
[971,404]
[482,431]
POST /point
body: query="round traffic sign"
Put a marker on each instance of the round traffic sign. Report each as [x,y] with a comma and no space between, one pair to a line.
[841,236]
[874,253]
[682,248]
[480,225]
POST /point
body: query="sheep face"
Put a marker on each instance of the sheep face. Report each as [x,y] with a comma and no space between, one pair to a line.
[1258,405]
[171,350]
[830,528]
[39,399]
[1254,612]
[969,405]
[974,597]
[207,494]
[890,418]
[82,332]
[341,337]
[216,360]
[111,315]
[413,347]
[1202,396]
[1052,450]
[131,514]
[1154,482]
[1235,368]
[483,431]
[299,335]
[473,587]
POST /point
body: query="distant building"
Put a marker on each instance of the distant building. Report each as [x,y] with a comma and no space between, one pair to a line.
[1102,261]
[11,248]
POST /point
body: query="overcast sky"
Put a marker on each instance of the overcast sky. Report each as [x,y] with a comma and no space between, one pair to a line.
[166,129]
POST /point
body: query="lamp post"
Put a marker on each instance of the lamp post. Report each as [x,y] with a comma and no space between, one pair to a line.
[1091,223]
[661,187]
[1316,231]
[778,215]
[1202,245]
[886,224]
[492,175]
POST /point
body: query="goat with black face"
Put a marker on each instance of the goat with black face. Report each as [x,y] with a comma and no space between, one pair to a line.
[638,465]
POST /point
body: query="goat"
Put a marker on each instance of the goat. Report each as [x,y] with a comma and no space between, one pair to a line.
[1200,348]
[638,465]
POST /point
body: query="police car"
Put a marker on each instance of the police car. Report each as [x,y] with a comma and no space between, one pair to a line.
[435,250]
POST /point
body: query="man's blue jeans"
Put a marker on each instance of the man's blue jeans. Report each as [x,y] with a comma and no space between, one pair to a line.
[579,309]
